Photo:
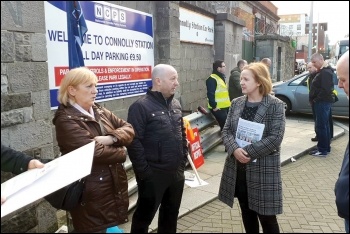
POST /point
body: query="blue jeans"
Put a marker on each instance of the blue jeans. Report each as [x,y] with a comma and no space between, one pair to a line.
[322,110]
[330,120]
[346,225]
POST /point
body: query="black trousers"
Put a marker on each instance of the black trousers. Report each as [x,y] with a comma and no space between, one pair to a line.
[162,189]
[220,116]
[250,218]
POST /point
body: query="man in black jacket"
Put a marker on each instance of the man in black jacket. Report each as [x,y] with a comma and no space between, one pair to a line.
[158,152]
[234,84]
[16,162]
[342,184]
[321,96]
[312,71]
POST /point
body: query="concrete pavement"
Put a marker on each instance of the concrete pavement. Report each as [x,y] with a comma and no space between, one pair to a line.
[308,205]
[308,188]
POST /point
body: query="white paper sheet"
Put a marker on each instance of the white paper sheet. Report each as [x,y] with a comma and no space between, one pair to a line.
[23,180]
[189,176]
[248,132]
[34,184]
[195,182]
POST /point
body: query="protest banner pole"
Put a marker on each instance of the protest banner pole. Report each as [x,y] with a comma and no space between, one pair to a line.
[194,168]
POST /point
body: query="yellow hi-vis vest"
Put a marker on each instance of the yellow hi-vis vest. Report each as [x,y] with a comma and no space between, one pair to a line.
[221,93]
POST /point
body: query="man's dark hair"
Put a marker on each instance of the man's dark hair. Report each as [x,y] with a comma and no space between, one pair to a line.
[217,64]
[240,62]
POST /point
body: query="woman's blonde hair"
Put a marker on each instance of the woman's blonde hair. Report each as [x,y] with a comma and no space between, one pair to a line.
[74,77]
[261,76]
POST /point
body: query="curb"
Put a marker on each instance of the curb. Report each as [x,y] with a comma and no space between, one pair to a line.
[305,152]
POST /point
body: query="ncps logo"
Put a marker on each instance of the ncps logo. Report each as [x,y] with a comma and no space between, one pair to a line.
[109,13]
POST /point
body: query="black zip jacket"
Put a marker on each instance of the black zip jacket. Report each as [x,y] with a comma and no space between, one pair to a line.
[160,139]
[322,86]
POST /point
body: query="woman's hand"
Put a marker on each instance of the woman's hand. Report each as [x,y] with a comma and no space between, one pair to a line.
[104,140]
[241,155]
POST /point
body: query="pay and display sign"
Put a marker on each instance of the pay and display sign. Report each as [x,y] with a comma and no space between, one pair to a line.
[118,47]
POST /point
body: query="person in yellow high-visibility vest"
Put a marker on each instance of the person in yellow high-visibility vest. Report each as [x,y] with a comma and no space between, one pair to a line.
[217,93]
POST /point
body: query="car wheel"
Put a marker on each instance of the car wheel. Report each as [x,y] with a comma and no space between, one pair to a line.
[287,102]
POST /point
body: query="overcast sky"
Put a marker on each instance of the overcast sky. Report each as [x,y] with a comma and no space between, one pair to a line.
[335,13]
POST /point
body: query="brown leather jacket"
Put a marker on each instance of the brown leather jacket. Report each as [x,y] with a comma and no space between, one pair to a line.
[105,199]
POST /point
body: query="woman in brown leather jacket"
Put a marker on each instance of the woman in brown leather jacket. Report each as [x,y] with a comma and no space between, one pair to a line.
[78,121]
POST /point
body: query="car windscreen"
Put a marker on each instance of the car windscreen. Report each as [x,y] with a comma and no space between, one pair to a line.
[298,81]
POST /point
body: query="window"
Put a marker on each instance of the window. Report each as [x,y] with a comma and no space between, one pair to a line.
[291,27]
[299,27]
[343,49]
[298,81]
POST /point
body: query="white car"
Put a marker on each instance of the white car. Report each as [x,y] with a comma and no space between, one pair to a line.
[295,94]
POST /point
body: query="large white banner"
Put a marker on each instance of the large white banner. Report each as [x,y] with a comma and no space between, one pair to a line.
[34,184]
[196,28]
[118,47]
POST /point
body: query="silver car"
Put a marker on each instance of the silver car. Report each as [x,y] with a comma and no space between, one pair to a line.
[295,94]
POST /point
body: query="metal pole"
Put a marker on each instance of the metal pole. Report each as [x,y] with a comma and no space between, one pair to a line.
[194,168]
[310,31]
[318,29]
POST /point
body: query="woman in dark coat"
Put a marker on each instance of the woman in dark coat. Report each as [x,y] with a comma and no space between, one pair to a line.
[78,121]
[252,172]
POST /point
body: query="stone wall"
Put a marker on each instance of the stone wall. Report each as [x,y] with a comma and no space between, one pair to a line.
[268,46]
[25,111]
[26,118]
[228,37]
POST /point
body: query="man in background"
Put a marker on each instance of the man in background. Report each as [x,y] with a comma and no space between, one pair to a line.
[234,88]
[312,71]
[267,62]
[321,96]
[342,184]
[217,93]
